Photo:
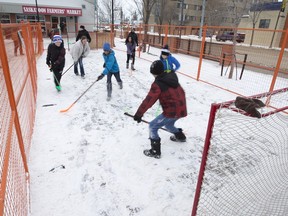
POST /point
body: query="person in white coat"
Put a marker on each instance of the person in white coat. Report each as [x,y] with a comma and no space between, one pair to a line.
[79,51]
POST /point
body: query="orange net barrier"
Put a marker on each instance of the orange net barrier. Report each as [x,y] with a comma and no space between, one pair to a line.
[252,52]
[20,44]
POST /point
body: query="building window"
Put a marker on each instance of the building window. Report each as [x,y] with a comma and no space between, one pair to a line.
[224,19]
[197,7]
[29,18]
[205,19]
[179,5]
[264,23]
[192,18]
[5,18]
[83,6]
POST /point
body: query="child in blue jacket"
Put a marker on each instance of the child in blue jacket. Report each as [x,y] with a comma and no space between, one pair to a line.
[171,64]
[110,68]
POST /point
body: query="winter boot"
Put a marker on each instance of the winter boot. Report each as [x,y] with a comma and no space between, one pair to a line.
[132,67]
[120,85]
[155,150]
[109,91]
[58,88]
[179,136]
[127,65]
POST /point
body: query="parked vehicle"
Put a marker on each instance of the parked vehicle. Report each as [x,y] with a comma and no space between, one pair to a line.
[224,36]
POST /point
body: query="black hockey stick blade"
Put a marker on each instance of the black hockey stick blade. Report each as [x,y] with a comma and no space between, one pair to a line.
[47,105]
[145,121]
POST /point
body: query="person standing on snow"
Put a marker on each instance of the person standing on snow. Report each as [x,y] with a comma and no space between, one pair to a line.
[56,59]
[134,36]
[83,32]
[110,68]
[79,51]
[130,44]
[171,96]
[16,41]
[170,63]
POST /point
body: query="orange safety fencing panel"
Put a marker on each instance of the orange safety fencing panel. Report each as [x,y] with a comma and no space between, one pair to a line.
[257,55]
[20,44]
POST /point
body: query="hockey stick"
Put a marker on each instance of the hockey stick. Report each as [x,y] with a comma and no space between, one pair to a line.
[56,78]
[69,68]
[46,105]
[65,110]
[71,65]
[145,121]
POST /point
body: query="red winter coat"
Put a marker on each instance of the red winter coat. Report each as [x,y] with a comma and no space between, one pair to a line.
[171,95]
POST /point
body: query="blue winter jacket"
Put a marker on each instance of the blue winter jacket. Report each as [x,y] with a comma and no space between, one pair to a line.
[170,63]
[111,64]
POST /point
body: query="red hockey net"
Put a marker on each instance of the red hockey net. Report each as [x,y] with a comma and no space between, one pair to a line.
[244,169]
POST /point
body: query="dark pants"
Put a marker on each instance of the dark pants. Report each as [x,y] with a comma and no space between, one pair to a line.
[57,77]
[109,83]
[132,56]
[17,44]
[80,61]
[116,75]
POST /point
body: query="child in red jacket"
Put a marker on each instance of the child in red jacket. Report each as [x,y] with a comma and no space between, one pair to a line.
[171,96]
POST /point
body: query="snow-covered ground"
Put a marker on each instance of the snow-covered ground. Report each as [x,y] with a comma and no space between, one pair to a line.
[89,160]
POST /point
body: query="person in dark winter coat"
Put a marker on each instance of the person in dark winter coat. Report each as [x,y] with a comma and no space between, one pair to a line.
[171,95]
[130,44]
[134,36]
[170,63]
[110,68]
[16,41]
[83,32]
[53,32]
[56,59]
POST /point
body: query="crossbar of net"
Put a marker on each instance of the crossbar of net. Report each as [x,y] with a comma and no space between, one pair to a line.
[246,170]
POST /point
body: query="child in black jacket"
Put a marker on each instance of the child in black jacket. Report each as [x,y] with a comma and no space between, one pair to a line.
[56,59]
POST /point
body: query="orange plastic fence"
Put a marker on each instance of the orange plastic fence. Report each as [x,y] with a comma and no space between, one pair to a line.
[19,45]
[259,50]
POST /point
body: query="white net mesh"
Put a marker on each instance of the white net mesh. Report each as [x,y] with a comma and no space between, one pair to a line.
[246,171]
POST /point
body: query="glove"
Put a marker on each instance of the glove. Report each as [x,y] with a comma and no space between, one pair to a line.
[104,65]
[138,118]
[50,67]
[100,77]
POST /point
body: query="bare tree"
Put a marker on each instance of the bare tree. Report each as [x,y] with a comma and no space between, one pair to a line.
[214,13]
[160,11]
[145,8]
[255,11]
[107,9]
[172,15]
[235,10]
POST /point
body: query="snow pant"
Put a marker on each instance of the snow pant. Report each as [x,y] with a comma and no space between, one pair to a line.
[109,81]
[57,77]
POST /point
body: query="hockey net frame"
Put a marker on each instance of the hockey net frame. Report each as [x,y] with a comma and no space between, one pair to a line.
[244,167]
